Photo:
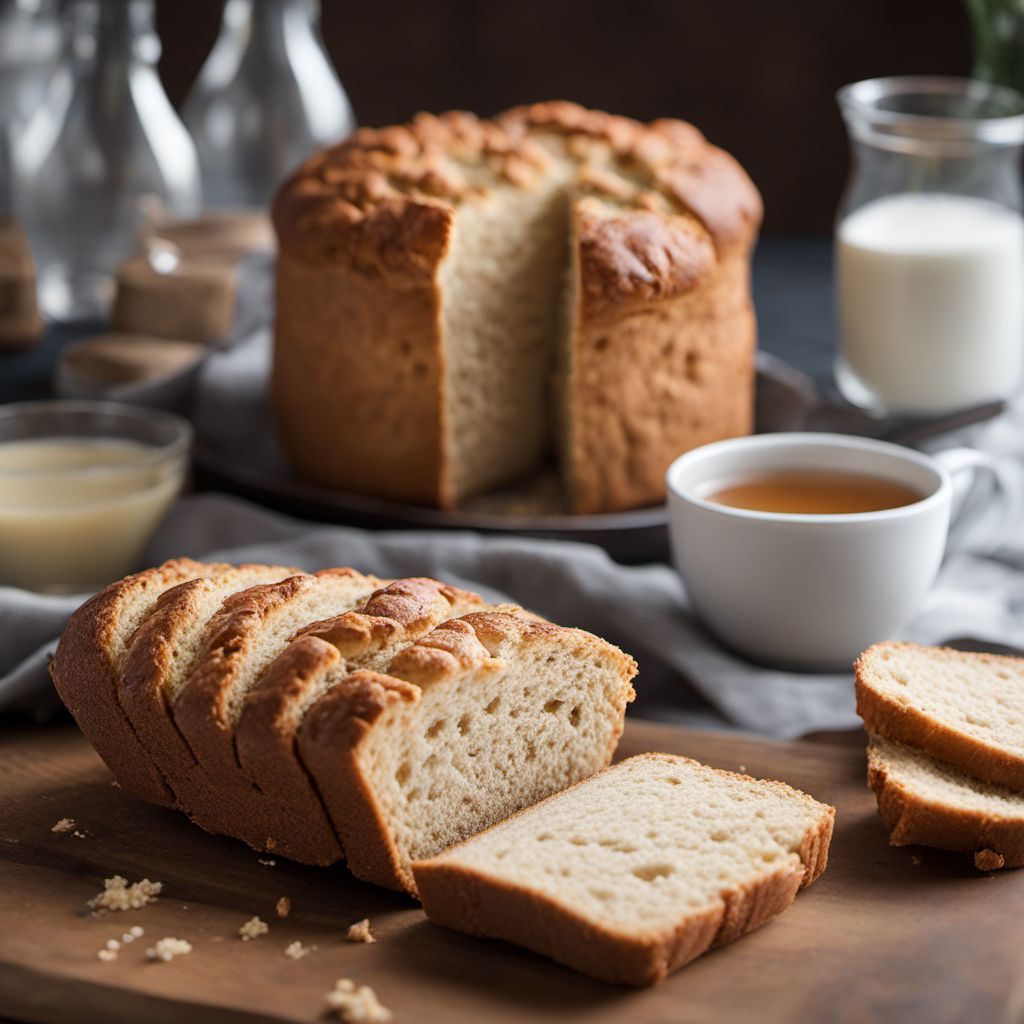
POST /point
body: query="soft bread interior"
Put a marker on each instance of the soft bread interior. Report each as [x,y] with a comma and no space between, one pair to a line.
[502,283]
[475,749]
[652,840]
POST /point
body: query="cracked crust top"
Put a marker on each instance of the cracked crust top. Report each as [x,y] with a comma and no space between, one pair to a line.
[658,201]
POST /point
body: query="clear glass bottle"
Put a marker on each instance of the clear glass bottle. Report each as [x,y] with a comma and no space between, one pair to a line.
[930,245]
[104,138]
[29,47]
[266,97]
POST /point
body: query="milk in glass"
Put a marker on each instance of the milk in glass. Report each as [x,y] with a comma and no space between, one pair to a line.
[931,301]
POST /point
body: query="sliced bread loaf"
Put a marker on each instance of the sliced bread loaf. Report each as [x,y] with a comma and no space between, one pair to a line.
[250,630]
[164,650]
[483,716]
[86,666]
[925,801]
[292,819]
[964,709]
[636,871]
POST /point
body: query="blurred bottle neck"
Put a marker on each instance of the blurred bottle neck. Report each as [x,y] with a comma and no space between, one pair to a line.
[107,35]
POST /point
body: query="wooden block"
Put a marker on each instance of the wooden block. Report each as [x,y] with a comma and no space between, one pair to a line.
[194,301]
[107,360]
[20,323]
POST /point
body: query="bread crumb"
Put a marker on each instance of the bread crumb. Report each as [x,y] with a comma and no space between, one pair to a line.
[988,860]
[119,895]
[116,784]
[113,944]
[253,929]
[356,1005]
[283,907]
[360,932]
[743,768]
[168,948]
[79,835]
[64,825]
[916,860]
[107,955]
[267,862]
[296,950]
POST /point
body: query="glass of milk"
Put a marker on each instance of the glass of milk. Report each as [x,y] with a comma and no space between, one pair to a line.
[83,486]
[930,245]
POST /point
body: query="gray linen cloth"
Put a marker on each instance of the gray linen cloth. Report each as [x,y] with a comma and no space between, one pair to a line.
[684,675]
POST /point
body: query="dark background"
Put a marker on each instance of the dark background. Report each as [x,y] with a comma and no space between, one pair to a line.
[758,77]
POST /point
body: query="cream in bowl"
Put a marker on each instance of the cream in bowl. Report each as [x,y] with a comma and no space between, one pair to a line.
[801,550]
[83,486]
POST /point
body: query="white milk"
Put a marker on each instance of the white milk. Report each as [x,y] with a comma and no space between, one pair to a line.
[75,513]
[931,300]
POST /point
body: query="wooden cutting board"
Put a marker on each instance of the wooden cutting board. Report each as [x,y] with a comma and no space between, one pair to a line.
[887,935]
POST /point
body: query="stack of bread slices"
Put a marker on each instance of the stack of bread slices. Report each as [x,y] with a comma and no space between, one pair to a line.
[946,748]
[332,715]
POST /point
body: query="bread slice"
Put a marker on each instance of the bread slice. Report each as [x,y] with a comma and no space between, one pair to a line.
[163,652]
[249,631]
[86,664]
[964,709]
[634,872]
[483,716]
[292,818]
[930,803]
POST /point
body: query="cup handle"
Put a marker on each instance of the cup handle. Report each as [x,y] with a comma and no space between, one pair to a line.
[980,518]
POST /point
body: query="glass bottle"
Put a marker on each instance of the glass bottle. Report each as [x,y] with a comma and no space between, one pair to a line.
[266,97]
[930,245]
[104,139]
[29,46]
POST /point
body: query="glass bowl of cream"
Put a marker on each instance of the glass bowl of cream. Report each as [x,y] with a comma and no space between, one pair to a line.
[83,485]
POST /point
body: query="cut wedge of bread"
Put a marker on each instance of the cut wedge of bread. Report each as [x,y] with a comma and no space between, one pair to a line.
[633,873]
[250,630]
[86,667]
[485,715]
[964,709]
[931,803]
[292,818]
[162,653]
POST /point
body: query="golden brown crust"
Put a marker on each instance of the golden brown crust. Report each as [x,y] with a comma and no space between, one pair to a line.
[84,671]
[471,901]
[380,201]
[895,721]
[265,738]
[391,347]
[913,819]
[328,742]
[219,795]
[154,652]
[643,388]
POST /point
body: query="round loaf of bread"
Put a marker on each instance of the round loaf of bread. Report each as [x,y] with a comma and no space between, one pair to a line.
[460,301]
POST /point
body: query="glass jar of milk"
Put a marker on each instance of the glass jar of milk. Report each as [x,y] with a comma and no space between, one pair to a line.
[930,245]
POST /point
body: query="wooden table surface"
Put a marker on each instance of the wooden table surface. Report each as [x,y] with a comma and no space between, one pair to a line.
[887,935]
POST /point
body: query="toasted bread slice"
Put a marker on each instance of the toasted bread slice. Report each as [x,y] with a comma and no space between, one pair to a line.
[964,709]
[931,803]
[633,873]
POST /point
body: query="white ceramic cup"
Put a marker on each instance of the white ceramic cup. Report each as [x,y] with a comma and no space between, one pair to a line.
[812,591]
